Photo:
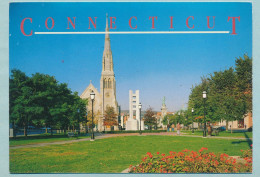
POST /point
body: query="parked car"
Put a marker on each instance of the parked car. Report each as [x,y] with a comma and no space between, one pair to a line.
[48,128]
[220,128]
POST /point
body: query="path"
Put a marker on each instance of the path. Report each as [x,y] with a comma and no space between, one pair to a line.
[102,136]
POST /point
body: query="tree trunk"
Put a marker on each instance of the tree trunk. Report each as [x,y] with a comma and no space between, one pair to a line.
[25,130]
[14,129]
[232,127]
[226,125]
[51,131]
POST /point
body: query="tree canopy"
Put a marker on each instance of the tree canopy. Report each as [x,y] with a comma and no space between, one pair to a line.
[149,118]
[42,101]
[229,93]
[110,117]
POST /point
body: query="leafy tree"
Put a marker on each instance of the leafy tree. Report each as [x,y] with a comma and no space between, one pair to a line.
[149,118]
[110,117]
[42,101]
[244,80]
[229,93]
[22,105]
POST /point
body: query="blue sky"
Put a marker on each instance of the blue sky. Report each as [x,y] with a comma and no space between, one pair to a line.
[156,64]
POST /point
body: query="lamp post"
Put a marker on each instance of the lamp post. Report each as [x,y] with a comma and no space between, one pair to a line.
[179,114]
[86,122]
[140,107]
[78,122]
[204,95]
[92,97]
[192,110]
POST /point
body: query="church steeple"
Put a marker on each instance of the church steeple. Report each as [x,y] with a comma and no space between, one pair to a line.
[108,81]
[107,54]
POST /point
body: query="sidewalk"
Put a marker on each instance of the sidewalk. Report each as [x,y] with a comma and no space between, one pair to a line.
[102,136]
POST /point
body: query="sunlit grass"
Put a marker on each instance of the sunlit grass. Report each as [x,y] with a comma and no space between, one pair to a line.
[110,155]
[22,140]
[222,134]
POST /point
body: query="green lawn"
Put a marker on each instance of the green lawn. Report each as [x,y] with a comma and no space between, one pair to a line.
[223,134]
[110,155]
[35,139]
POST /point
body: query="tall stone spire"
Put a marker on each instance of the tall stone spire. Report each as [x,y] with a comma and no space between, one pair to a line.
[107,80]
[107,29]
[107,54]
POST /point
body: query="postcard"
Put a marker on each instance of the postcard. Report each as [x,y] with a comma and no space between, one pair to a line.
[130,87]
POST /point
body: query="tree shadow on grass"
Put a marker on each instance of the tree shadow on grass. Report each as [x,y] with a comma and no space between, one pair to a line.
[34,137]
[248,141]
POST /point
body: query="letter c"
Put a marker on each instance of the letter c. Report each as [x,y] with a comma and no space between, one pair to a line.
[22,28]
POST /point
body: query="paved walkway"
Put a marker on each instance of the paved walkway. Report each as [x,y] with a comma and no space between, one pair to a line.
[102,136]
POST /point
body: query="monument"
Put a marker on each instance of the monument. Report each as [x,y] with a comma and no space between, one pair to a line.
[133,122]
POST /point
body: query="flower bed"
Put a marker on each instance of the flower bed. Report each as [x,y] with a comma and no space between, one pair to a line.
[188,161]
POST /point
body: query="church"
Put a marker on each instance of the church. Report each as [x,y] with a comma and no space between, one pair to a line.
[107,95]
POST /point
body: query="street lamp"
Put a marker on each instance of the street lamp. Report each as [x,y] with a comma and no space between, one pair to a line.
[140,107]
[192,110]
[92,97]
[204,95]
[78,121]
[179,114]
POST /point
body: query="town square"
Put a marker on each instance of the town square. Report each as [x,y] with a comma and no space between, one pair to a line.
[114,100]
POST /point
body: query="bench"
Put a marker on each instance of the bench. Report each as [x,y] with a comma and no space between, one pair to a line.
[71,134]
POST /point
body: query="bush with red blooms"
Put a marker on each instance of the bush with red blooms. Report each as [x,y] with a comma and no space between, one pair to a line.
[247,156]
[188,161]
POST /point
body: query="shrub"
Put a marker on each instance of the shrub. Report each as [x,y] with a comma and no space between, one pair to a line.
[188,161]
[247,156]
[250,129]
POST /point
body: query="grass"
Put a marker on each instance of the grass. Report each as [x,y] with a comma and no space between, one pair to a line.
[44,138]
[111,155]
[223,134]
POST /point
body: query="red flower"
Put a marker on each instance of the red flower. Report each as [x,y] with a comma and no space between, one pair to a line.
[163,154]
[158,153]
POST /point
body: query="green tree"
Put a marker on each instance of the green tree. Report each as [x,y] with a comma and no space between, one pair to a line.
[229,93]
[244,80]
[42,101]
[22,101]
